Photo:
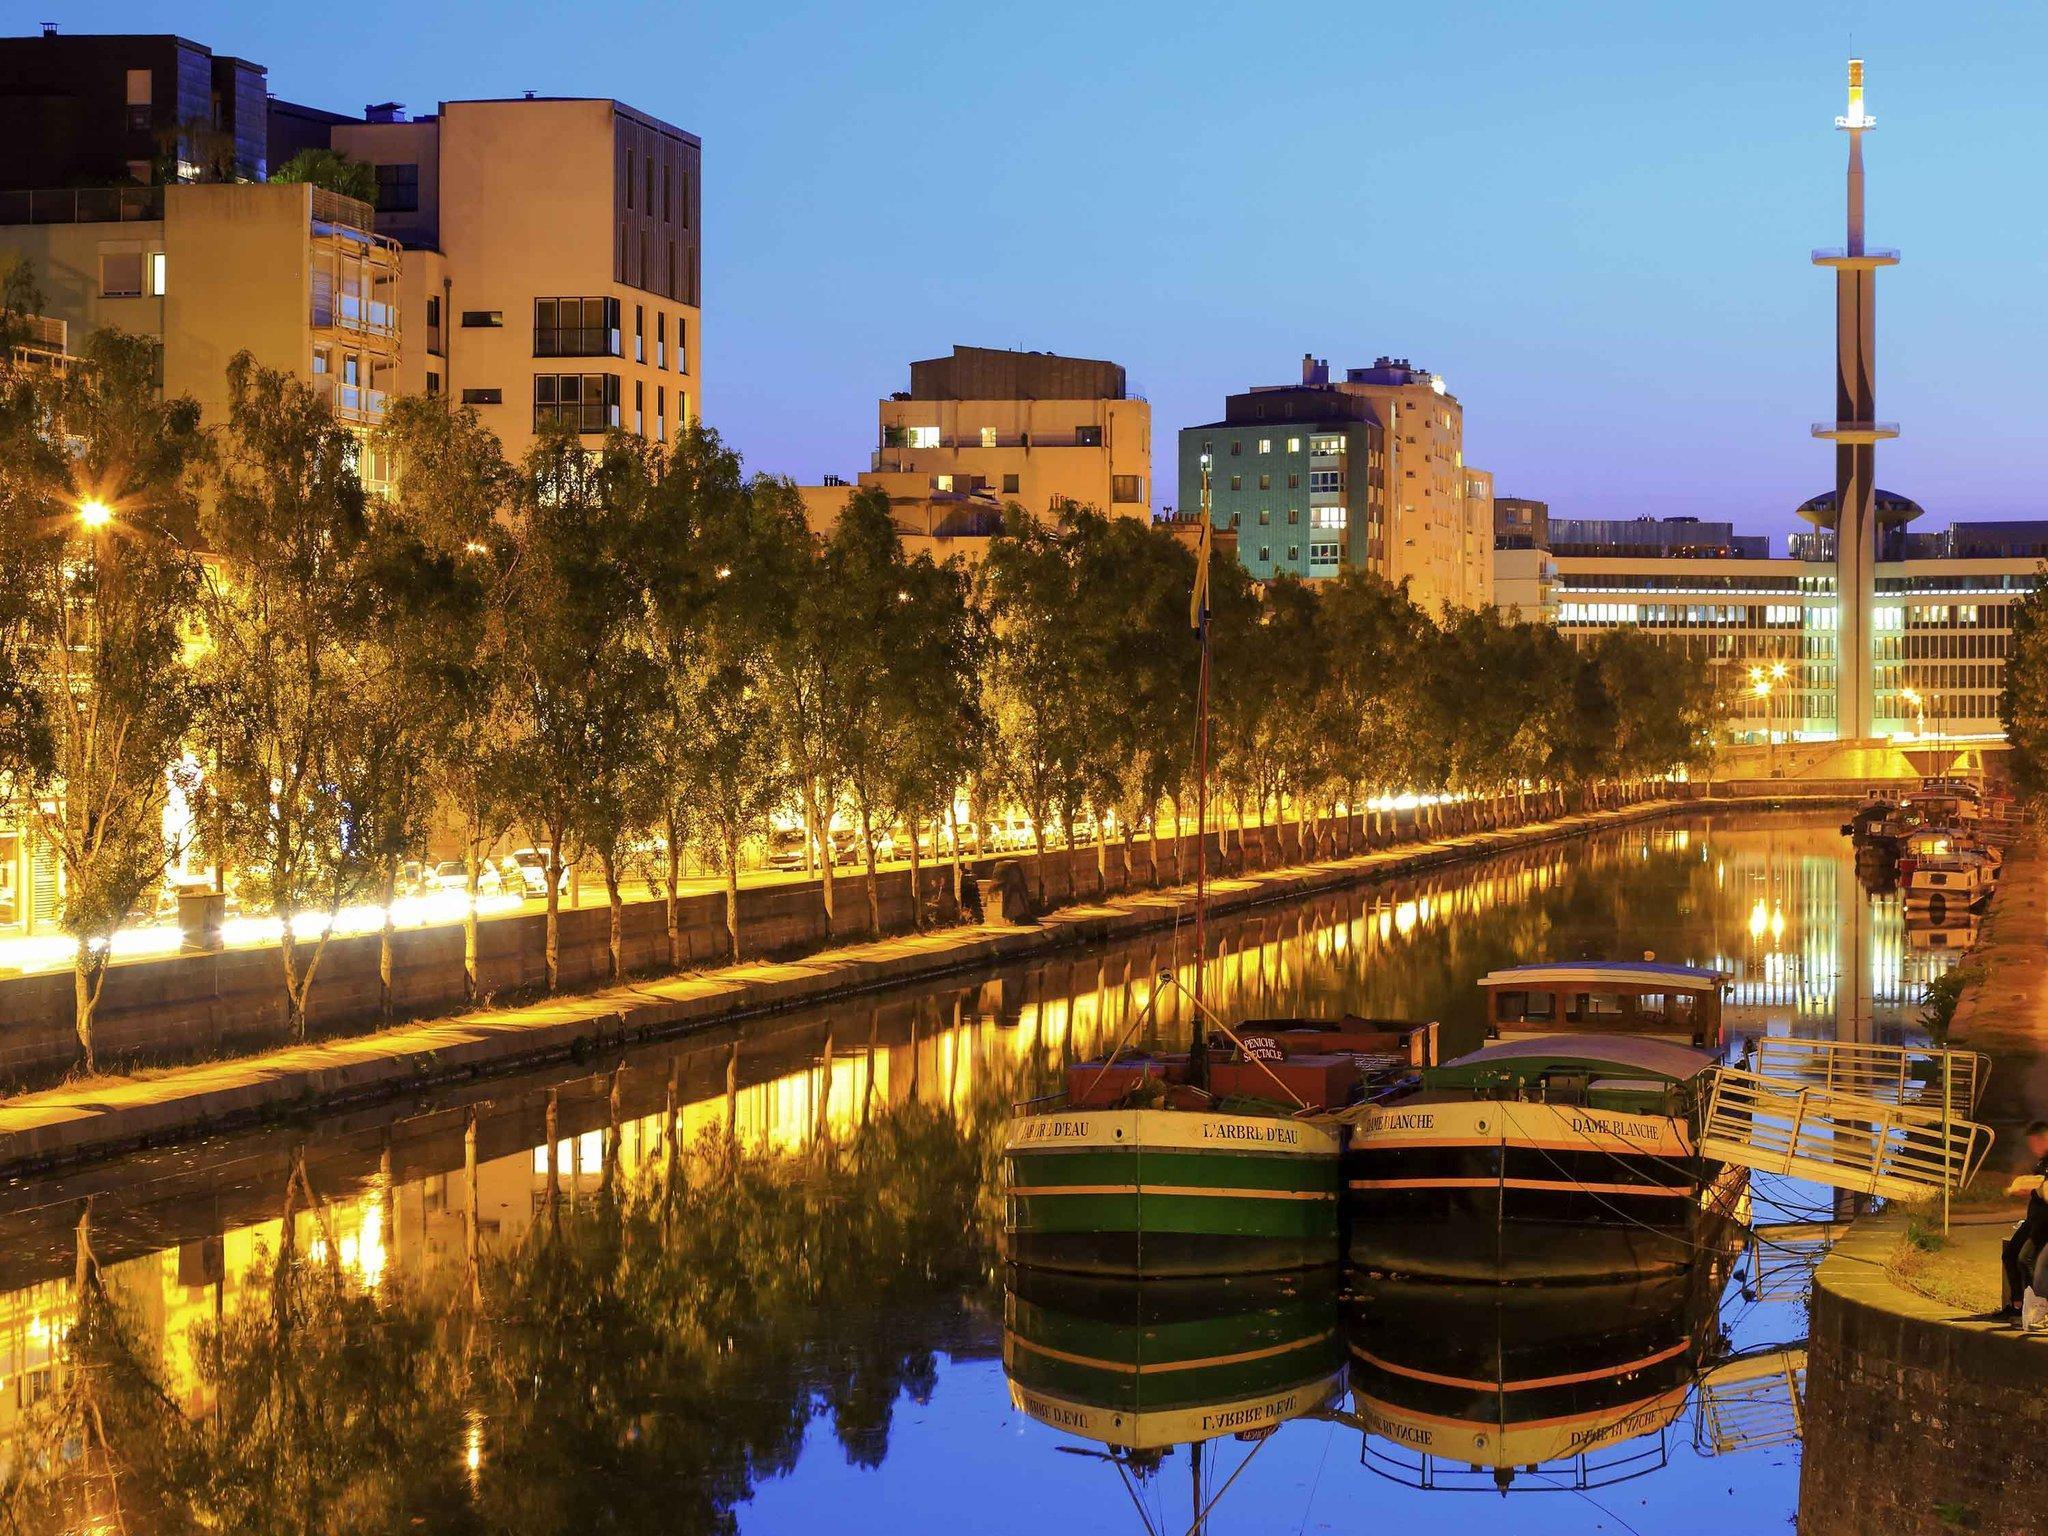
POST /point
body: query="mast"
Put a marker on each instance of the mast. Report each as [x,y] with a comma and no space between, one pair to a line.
[1198,1058]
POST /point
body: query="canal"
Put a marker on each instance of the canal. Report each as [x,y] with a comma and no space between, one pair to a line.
[748,1281]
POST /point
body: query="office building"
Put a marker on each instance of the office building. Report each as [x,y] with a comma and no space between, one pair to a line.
[1026,427]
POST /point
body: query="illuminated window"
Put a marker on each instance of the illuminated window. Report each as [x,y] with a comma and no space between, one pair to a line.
[1294,445]
[988,437]
[1265,445]
[943,482]
[921,437]
[156,273]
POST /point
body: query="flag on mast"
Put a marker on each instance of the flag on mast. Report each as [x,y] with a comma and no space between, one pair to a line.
[1198,604]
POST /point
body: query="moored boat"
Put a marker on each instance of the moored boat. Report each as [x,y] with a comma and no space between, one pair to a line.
[1565,1158]
[1680,1003]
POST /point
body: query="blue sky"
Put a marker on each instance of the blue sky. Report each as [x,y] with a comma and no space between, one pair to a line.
[1594,219]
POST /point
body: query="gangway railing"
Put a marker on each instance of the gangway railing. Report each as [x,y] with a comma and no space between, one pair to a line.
[1869,1146]
[1898,1074]
[1752,1403]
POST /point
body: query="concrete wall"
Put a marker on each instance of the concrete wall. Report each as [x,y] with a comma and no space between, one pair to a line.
[1914,1424]
[188,1007]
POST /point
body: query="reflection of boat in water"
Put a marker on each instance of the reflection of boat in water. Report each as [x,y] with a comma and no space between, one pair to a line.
[1186,1164]
[1941,929]
[1622,997]
[1142,1365]
[1570,1386]
[1568,1158]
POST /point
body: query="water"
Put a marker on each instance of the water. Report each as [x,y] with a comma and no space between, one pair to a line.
[647,1323]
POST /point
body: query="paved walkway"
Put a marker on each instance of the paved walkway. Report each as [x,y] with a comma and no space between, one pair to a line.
[84,1120]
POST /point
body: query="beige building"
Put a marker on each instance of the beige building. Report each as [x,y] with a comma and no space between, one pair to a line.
[552,259]
[1025,427]
[1439,516]
[293,274]
[942,524]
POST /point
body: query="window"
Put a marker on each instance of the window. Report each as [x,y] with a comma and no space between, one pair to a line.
[1294,514]
[1126,488]
[1236,448]
[682,347]
[661,341]
[639,333]
[1294,445]
[1515,1007]
[1265,445]
[433,383]
[434,344]
[1009,485]
[667,188]
[1326,480]
[629,178]
[141,92]
[482,319]
[483,397]
[1265,554]
[586,402]
[398,188]
[1294,553]
[660,414]
[1265,482]
[1088,437]
[921,437]
[942,482]
[1237,482]
[120,274]
[1236,518]
[576,327]
[156,273]
[988,437]
[1328,517]
[1294,482]
[640,406]
[1265,516]
[1324,554]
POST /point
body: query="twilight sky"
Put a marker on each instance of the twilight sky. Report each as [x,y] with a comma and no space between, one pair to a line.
[1594,219]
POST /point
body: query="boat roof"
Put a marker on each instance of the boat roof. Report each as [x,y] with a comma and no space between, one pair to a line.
[1640,973]
[1628,1053]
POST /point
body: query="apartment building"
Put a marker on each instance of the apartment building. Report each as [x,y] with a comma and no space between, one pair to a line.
[552,259]
[293,274]
[1941,619]
[1298,474]
[1524,572]
[1026,427]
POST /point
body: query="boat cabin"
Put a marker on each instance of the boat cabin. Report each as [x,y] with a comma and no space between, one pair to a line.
[1626,997]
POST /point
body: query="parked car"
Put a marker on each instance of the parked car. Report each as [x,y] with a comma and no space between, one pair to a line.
[453,875]
[786,848]
[526,869]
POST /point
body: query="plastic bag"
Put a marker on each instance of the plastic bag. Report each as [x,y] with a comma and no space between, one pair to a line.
[2034,1311]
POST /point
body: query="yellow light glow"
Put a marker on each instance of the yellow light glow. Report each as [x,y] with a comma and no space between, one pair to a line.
[95,514]
[1763,689]
[1778,670]
[1759,919]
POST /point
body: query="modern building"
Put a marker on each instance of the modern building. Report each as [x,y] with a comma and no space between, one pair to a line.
[1940,616]
[949,524]
[1026,427]
[100,111]
[1428,516]
[1298,474]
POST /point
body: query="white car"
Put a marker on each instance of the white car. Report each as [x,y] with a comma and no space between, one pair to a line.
[526,869]
[453,875]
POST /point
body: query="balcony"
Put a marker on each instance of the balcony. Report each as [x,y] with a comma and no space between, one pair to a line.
[1864,261]
[1856,432]
[356,404]
[83,205]
[576,341]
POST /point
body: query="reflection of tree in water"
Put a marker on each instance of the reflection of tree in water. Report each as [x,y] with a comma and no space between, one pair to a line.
[641,1360]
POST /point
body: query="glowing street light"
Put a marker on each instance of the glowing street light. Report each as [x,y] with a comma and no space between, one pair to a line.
[94,514]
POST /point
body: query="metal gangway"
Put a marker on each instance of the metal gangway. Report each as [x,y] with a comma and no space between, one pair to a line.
[1897,1074]
[1751,1403]
[1853,1141]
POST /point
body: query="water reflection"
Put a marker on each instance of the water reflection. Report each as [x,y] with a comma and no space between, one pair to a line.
[715,1271]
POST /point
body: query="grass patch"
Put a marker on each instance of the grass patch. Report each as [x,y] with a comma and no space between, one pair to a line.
[1963,1275]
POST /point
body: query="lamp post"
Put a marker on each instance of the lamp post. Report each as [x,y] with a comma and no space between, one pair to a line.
[1761,687]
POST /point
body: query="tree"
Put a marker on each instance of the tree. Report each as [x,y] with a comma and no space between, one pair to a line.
[453,489]
[934,695]
[97,477]
[2023,702]
[1373,712]
[332,170]
[582,687]
[287,608]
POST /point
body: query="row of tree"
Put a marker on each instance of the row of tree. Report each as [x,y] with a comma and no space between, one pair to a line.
[633,650]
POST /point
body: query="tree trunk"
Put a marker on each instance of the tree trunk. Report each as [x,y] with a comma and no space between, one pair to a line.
[867,850]
[1101,857]
[959,861]
[732,899]
[473,867]
[1038,841]
[821,836]
[916,879]
[615,937]
[88,974]
[550,877]
[673,903]
[387,958]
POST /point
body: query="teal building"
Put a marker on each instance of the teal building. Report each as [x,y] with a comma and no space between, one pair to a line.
[1298,472]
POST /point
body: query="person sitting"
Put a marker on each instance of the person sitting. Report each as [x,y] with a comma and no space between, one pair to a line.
[2029,1240]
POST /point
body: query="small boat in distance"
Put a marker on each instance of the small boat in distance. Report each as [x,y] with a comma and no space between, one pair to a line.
[1680,1003]
[1566,1158]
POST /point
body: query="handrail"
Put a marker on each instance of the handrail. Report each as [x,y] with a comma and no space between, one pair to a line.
[1876,1071]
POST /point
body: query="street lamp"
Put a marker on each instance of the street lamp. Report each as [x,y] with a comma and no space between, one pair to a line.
[94,514]
[1912,697]
[1762,689]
